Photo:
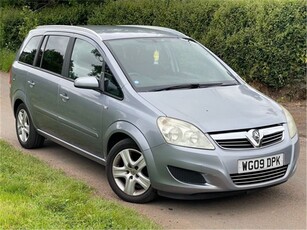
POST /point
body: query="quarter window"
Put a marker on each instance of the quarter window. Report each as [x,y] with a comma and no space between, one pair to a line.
[54,53]
[110,84]
[29,52]
[85,61]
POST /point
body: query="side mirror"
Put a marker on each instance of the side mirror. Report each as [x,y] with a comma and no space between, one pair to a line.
[86,83]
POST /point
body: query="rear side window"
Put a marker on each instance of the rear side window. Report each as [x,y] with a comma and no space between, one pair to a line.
[53,56]
[28,54]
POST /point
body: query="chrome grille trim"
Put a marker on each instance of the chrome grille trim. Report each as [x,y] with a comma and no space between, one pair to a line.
[259,176]
[272,138]
[235,143]
[239,140]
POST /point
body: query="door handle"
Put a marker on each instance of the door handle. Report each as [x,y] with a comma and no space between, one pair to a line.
[31,84]
[64,97]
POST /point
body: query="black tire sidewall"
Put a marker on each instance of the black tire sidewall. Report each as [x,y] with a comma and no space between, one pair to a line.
[149,195]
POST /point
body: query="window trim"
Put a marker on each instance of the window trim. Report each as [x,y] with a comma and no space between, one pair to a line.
[68,54]
[45,38]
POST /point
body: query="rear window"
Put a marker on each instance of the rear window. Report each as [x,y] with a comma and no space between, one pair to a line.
[28,54]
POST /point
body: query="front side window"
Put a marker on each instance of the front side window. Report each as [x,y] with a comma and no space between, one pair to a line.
[28,53]
[53,56]
[85,61]
[153,64]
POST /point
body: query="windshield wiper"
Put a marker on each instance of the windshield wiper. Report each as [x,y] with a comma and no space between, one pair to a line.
[196,85]
[181,86]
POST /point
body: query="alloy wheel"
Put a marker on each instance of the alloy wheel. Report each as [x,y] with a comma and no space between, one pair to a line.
[23,125]
[130,172]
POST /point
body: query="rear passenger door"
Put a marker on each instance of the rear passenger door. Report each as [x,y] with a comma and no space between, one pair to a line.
[81,110]
[42,82]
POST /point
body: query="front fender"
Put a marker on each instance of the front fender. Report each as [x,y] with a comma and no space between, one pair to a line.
[128,129]
[137,136]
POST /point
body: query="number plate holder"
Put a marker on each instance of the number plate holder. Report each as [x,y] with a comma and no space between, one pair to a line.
[261,163]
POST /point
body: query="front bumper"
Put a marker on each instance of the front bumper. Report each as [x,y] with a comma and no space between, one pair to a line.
[215,166]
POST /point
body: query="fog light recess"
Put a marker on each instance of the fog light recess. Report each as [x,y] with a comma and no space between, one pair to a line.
[187,176]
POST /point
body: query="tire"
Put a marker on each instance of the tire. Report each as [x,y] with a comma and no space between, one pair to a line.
[26,133]
[127,173]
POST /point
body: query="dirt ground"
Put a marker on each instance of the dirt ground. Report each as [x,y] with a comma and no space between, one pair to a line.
[298,111]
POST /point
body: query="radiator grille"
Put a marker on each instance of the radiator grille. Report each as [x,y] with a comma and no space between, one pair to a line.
[272,138]
[259,176]
[235,143]
[242,140]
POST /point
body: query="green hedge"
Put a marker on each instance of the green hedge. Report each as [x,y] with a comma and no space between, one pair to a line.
[262,40]
[6,59]
[64,15]
[15,23]
[189,17]
[9,28]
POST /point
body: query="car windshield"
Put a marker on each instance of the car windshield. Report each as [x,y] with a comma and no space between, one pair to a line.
[155,64]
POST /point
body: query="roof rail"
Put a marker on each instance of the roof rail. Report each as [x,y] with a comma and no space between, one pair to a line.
[65,27]
[159,28]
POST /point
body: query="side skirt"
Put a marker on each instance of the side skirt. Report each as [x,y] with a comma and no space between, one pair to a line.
[72,147]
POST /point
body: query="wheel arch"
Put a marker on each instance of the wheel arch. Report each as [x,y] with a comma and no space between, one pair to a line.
[16,104]
[121,130]
[18,98]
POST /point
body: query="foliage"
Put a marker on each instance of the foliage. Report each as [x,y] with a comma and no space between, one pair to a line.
[6,59]
[34,196]
[9,28]
[264,40]
[189,17]
[29,22]
[39,4]
[62,15]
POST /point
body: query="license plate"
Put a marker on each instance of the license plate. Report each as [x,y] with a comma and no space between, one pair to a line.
[262,163]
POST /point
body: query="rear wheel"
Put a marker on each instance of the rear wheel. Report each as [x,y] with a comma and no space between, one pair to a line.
[26,133]
[127,173]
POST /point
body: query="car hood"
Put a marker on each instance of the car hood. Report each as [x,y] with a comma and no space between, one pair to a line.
[218,108]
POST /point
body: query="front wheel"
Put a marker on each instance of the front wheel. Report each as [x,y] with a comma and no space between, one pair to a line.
[127,173]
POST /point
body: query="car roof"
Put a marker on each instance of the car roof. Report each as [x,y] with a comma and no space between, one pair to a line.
[115,32]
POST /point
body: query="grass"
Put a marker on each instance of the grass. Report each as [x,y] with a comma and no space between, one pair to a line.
[6,59]
[33,195]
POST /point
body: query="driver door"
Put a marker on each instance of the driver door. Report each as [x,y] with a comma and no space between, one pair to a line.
[81,110]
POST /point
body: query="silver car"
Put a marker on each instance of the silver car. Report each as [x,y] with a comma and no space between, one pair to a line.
[163,113]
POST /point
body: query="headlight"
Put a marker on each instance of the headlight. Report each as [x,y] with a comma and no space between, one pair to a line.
[182,133]
[291,123]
